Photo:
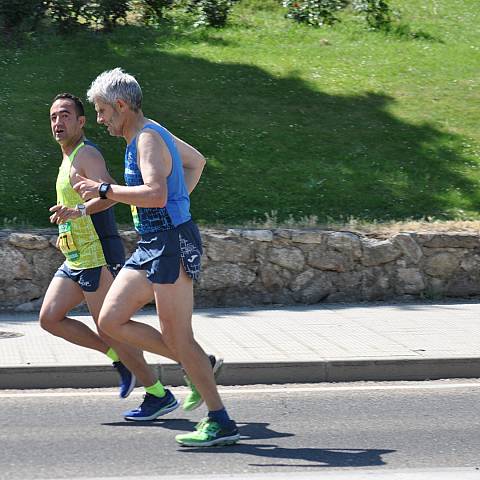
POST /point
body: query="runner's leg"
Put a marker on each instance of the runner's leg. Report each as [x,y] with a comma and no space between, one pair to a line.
[62,295]
[174,306]
[130,356]
[129,292]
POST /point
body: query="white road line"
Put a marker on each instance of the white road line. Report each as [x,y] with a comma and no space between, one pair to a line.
[240,390]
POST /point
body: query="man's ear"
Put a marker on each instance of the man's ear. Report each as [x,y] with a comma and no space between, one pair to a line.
[121,105]
[82,120]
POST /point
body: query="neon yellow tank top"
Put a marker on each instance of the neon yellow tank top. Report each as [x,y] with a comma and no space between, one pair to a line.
[78,239]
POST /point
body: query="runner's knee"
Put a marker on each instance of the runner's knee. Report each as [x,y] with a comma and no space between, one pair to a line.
[107,326]
[50,319]
[104,336]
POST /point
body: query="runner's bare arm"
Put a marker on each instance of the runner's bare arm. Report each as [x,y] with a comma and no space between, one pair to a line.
[193,163]
[155,163]
[89,163]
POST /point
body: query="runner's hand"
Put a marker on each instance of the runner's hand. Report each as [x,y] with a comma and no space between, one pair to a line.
[61,214]
[86,188]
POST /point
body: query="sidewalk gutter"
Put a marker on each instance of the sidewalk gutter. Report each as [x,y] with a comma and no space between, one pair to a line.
[250,373]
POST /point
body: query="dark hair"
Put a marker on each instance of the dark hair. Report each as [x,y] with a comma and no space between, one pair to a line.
[78,103]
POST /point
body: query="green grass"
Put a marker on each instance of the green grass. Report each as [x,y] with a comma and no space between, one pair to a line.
[337,122]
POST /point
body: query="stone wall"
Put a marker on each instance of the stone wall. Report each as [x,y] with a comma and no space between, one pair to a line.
[281,266]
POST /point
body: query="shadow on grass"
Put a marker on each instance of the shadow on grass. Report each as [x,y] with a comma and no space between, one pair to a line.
[272,143]
[405,32]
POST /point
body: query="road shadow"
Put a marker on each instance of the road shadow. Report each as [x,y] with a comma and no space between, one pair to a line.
[317,457]
[249,431]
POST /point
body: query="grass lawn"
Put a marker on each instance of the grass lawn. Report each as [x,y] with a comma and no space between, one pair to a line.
[333,123]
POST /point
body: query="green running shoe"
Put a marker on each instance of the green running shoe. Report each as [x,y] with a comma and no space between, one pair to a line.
[193,400]
[209,433]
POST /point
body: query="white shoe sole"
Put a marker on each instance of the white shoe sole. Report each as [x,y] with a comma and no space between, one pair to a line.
[217,442]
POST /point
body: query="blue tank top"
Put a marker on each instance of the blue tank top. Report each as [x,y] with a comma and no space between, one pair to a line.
[177,209]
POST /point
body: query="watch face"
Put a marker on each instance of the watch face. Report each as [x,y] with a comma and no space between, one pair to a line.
[103,189]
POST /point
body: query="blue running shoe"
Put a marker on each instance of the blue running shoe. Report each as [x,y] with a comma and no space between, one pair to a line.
[152,407]
[127,379]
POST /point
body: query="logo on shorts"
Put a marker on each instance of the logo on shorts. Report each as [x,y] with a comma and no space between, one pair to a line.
[192,258]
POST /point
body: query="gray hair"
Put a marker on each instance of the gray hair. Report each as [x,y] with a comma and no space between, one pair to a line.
[113,85]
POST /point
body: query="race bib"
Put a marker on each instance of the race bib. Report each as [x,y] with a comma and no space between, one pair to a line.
[65,241]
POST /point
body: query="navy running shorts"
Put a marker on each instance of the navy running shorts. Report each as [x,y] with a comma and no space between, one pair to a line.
[160,253]
[88,279]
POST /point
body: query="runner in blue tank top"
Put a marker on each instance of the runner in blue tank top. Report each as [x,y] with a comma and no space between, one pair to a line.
[160,173]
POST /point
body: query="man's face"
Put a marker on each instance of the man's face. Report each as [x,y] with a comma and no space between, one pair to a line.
[109,116]
[66,125]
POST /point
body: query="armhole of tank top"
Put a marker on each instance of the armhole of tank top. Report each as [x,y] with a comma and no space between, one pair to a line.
[72,159]
[150,126]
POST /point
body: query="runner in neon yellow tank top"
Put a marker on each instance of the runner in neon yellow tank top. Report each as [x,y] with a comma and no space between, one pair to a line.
[89,239]
[78,239]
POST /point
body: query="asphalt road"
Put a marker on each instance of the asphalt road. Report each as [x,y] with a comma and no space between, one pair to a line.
[287,429]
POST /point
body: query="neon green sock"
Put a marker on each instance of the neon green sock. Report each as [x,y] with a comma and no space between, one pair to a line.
[112,355]
[156,389]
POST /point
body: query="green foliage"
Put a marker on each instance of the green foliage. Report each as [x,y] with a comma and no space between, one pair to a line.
[66,14]
[20,14]
[377,12]
[213,13]
[324,12]
[314,12]
[109,12]
[153,10]
[69,15]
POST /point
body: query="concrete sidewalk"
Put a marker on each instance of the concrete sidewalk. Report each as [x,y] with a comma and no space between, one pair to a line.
[321,343]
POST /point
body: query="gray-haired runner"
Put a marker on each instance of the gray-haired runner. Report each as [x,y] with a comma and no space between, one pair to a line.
[167,259]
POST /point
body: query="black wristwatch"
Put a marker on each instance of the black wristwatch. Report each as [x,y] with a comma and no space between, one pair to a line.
[103,189]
